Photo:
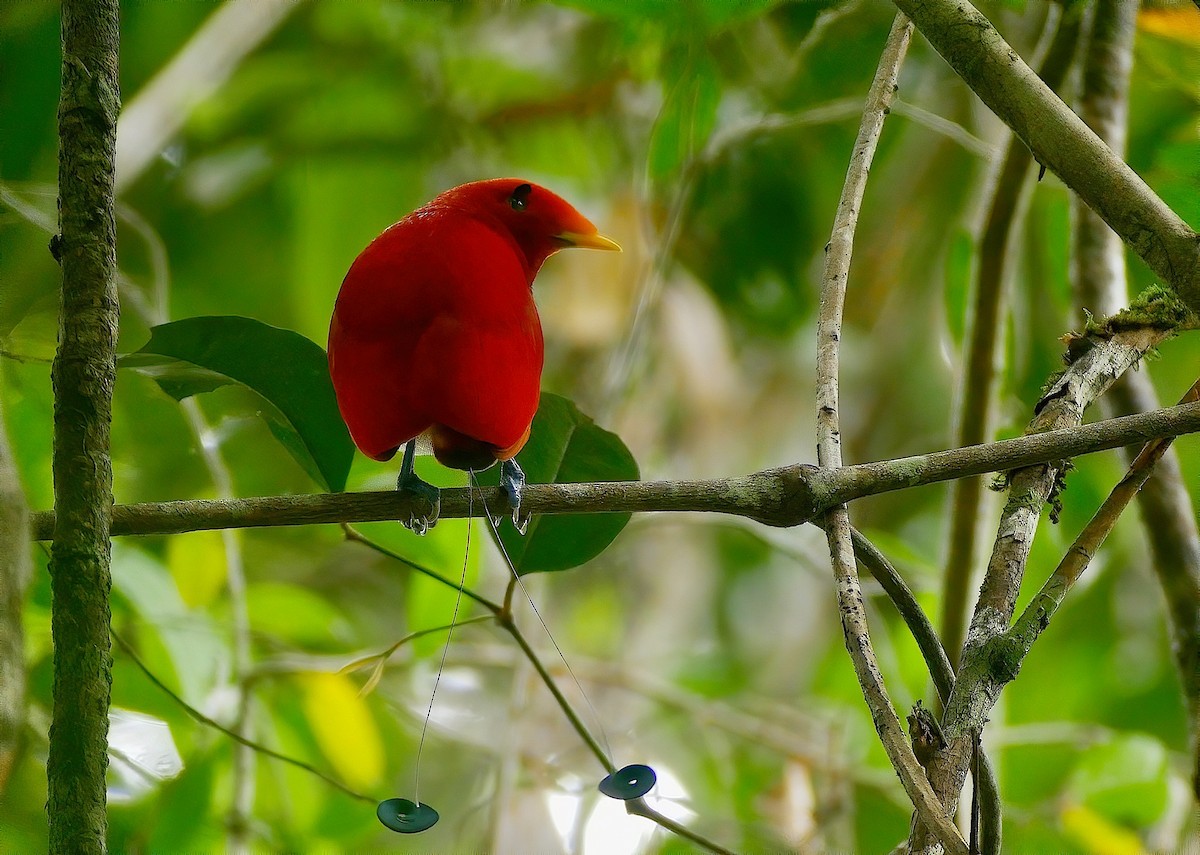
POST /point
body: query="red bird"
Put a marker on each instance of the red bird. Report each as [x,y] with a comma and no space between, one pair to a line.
[435,336]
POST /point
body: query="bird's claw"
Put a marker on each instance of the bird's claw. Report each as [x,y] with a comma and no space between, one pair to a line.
[512,480]
[419,523]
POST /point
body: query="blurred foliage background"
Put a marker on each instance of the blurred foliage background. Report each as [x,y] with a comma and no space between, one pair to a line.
[711,139]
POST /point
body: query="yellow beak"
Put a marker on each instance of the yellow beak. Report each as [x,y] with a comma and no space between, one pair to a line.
[586,241]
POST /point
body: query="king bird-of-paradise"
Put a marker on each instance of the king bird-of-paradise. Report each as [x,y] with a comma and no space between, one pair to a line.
[435,338]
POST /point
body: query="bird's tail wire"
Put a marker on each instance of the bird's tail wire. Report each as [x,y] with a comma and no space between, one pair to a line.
[445,650]
[487,515]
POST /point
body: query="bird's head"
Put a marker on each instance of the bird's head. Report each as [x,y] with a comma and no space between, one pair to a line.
[541,222]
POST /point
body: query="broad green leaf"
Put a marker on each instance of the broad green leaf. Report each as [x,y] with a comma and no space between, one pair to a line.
[565,447]
[284,368]
[343,727]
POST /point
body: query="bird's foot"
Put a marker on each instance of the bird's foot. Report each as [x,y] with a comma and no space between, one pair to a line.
[512,481]
[419,523]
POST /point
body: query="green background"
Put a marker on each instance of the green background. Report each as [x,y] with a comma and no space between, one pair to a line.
[710,139]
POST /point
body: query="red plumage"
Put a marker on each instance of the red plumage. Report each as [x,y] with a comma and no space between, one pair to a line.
[435,331]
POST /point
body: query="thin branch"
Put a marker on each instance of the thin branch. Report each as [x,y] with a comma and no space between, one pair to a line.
[638,807]
[153,308]
[234,735]
[1098,256]
[978,383]
[940,124]
[83,374]
[783,497]
[1098,271]
[1029,489]
[1061,141]
[355,536]
[381,658]
[914,617]
[1036,616]
[837,521]
[840,110]
[938,663]
[508,625]
[503,617]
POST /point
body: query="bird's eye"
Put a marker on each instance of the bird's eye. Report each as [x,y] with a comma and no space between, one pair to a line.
[520,197]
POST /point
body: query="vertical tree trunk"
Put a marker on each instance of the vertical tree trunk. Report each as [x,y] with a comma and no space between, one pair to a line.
[83,374]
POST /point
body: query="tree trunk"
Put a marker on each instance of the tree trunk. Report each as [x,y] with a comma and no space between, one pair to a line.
[83,374]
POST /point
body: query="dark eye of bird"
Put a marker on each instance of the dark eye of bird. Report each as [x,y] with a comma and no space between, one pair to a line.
[520,197]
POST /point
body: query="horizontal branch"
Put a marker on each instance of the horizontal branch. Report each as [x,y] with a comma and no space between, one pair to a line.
[787,496]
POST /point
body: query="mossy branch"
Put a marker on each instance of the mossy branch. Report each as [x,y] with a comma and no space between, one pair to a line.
[83,374]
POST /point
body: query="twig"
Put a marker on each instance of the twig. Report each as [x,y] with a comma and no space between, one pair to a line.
[381,658]
[838,111]
[1029,488]
[508,625]
[235,736]
[1061,141]
[638,807]
[829,455]
[18,357]
[1098,271]
[503,617]
[786,496]
[940,670]
[1036,616]
[354,535]
[978,383]
[235,585]
[154,308]
[1098,256]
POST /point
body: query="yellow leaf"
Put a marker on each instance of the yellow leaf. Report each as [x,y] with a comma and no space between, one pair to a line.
[1181,23]
[1098,835]
[344,728]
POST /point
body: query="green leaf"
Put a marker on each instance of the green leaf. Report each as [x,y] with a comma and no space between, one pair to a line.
[565,447]
[284,368]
